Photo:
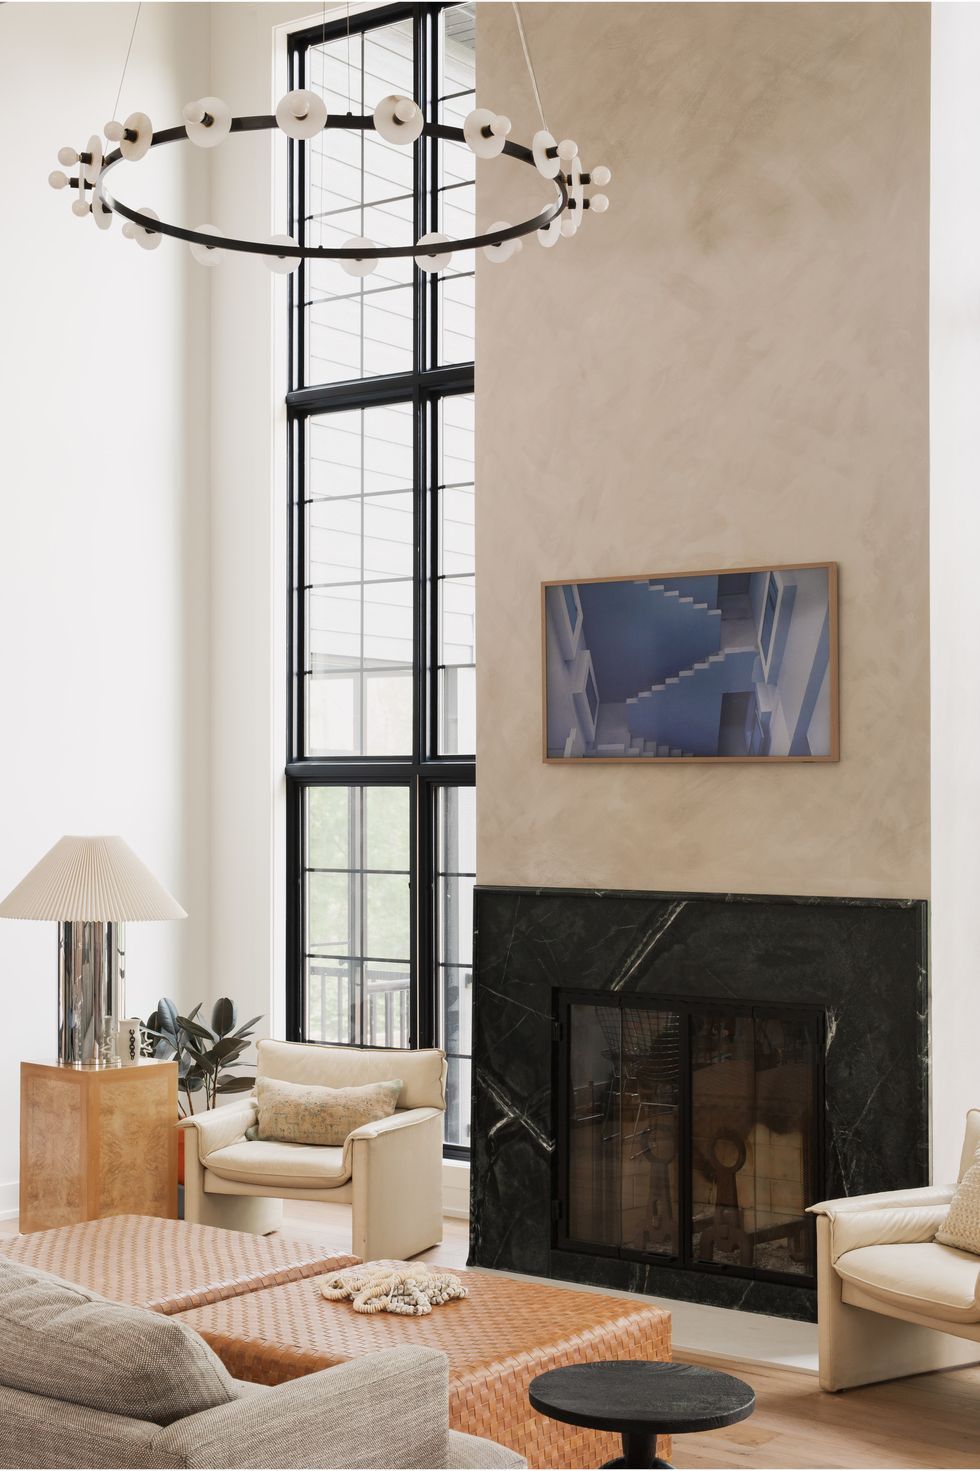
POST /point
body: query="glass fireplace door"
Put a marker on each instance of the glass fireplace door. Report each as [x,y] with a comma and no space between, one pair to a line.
[690,1132]
[624,1128]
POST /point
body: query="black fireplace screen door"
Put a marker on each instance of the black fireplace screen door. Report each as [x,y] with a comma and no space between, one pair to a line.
[690,1132]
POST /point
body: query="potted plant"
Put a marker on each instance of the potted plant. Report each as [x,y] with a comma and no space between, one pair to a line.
[204,1054]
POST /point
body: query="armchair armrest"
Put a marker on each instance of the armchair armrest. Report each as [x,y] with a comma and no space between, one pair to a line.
[403,1119]
[218,1127]
[886,1227]
[387,1409]
[923,1195]
[885,1219]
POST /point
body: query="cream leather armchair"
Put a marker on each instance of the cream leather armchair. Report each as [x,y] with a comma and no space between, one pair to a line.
[389,1172]
[891,1301]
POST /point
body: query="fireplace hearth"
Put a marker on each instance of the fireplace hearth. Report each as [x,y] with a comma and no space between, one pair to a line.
[663,1083]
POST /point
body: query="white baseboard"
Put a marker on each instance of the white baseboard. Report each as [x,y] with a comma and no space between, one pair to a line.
[9,1200]
[456,1189]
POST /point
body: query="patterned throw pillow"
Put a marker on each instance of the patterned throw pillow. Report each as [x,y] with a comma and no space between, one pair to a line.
[302,1113]
[961,1227]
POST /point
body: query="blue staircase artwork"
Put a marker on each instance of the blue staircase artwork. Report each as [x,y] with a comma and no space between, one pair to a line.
[684,710]
[641,632]
[687,667]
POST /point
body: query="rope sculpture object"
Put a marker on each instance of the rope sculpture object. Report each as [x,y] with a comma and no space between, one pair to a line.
[392,1287]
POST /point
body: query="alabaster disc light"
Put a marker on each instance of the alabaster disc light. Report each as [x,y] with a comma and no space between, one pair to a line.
[486,133]
[208,255]
[207,121]
[302,114]
[282,265]
[399,120]
[505,249]
[364,265]
[433,260]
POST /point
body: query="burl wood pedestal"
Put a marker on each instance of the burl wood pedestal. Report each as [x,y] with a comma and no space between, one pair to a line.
[97,1142]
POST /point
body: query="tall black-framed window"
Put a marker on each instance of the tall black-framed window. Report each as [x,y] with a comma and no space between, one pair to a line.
[381,825]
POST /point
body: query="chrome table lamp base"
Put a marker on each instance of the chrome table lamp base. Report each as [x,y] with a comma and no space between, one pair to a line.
[91,992]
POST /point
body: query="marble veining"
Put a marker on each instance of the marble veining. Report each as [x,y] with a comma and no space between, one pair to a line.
[864,961]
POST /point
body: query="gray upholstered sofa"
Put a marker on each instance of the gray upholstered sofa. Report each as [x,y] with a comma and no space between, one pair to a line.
[85,1382]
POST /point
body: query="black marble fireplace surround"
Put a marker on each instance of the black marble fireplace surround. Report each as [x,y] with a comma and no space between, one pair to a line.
[863,961]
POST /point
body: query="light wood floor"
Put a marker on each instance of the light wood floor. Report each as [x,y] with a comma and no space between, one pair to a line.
[930,1421]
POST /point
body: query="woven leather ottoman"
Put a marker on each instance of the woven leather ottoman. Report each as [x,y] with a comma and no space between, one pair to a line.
[168,1266]
[507,1331]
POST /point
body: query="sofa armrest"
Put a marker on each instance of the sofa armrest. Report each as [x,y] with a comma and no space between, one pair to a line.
[39,1432]
[473,1453]
[923,1195]
[218,1127]
[387,1410]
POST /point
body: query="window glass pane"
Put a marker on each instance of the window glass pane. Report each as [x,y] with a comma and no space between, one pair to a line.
[456,546]
[388,929]
[456,440]
[328,828]
[457,711]
[329,1003]
[357,938]
[457,307]
[386,836]
[455,877]
[456,185]
[328,926]
[457,608]
[359,185]
[359,576]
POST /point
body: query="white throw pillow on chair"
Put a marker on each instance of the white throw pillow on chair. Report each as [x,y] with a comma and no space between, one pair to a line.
[961,1227]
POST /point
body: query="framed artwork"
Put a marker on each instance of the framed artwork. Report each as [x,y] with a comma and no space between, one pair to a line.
[736,665]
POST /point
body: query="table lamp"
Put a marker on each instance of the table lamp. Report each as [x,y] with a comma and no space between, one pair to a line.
[91,886]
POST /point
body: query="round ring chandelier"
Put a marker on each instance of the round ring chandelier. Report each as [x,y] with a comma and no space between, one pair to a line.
[302,115]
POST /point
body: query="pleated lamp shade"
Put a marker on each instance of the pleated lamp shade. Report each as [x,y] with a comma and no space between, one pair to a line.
[90,879]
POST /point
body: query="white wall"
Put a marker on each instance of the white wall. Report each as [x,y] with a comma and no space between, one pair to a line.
[104,517]
[955,538]
[249,511]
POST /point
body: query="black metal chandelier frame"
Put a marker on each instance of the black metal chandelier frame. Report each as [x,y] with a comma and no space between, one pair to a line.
[268,121]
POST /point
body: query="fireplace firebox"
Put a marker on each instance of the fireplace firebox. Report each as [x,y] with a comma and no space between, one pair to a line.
[690,1133]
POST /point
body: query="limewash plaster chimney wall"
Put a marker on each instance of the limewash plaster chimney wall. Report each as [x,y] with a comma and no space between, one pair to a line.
[730,368]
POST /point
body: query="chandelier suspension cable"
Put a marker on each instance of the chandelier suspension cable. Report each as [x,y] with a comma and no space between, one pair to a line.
[528,62]
[129,48]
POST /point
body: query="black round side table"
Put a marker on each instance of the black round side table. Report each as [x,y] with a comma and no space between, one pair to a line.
[640,1401]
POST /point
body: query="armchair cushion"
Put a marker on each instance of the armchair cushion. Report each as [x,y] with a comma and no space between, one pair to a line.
[104,1355]
[290,1166]
[920,1277]
[423,1072]
[311,1113]
[961,1227]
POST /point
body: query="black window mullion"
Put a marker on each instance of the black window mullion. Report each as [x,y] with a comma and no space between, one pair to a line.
[424,771]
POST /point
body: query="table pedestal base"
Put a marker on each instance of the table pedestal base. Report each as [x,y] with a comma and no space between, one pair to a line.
[639,1452]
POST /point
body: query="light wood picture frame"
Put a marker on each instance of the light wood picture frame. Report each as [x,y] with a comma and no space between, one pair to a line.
[734,664]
